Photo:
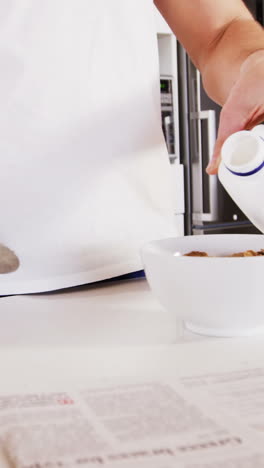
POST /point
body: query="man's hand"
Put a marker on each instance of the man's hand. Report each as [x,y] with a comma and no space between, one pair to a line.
[227,45]
[8,260]
[244,107]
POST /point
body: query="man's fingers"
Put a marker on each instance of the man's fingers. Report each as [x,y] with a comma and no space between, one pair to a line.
[244,108]
[230,122]
[8,260]
[213,165]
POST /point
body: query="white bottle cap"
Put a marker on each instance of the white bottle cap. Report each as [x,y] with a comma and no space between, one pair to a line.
[243,153]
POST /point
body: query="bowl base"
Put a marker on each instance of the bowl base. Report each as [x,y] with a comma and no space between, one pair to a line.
[222,332]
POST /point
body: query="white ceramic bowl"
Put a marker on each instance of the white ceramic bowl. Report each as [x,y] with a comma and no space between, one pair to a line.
[213,296]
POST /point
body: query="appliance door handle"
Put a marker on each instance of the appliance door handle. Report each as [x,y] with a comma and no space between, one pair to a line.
[168,133]
[208,116]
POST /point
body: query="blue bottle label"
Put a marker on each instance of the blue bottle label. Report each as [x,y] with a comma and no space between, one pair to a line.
[245,174]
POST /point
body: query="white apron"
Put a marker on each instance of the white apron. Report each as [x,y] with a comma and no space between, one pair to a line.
[84,172]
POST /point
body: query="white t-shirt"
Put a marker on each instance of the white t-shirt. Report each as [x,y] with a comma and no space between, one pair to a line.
[84,174]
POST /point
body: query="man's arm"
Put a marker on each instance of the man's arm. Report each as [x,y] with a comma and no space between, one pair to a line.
[227,46]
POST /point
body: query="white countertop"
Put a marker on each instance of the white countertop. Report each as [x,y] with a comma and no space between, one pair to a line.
[108,330]
[123,313]
[100,332]
[75,338]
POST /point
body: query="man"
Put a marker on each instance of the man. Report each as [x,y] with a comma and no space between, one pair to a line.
[85,179]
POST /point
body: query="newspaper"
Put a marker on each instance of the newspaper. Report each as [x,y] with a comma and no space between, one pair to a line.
[206,420]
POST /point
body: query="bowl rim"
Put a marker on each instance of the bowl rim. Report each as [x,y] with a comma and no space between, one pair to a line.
[153,244]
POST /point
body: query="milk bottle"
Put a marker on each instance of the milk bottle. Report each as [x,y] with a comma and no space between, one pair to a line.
[241,172]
